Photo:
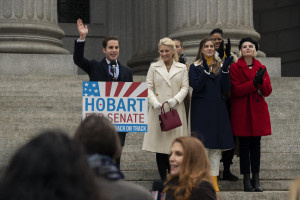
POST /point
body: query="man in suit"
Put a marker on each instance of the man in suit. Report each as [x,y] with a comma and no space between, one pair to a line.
[102,71]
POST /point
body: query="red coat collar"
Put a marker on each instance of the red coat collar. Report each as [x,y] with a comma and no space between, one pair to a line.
[249,74]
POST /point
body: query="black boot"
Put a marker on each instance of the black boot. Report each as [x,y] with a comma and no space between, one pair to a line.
[247,185]
[227,175]
[255,182]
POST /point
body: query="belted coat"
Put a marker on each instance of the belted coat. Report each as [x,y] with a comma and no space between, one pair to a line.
[162,86]
[249,110]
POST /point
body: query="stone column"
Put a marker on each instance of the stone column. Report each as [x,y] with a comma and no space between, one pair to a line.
[30,26]
[192,20]
[149,26]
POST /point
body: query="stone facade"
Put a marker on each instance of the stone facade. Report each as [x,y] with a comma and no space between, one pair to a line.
[30,26]
[278,22]
[140,24]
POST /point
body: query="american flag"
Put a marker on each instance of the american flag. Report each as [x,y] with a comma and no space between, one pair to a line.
[91,89]
[115,89]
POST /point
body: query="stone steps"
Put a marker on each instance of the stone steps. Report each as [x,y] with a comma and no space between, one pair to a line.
[133,172]
[266,195]
[29,104]
[279,162]
[267,185]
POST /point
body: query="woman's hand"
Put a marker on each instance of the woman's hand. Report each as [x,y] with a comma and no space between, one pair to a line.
[259,77]
[156,105]
[221,50]
[228,48]
[172,102]
[226,63]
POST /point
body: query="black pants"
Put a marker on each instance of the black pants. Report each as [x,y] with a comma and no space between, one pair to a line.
[249,154]
[122,136]
[163,165]
[227,157]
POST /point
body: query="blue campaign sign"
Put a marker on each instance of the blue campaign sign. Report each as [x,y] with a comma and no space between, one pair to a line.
[125,104]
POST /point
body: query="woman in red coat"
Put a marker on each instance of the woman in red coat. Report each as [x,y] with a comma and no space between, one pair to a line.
[250,117]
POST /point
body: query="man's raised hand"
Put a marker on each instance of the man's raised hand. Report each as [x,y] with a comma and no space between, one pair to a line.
[82,29]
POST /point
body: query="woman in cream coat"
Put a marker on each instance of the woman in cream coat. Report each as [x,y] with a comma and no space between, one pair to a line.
[167,81]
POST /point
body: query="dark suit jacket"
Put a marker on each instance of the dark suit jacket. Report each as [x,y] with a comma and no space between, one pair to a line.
[98,71]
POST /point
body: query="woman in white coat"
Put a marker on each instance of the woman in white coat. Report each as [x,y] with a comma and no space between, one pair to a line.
[167,81]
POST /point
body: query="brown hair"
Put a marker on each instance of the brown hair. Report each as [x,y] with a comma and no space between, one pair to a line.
[215,63]
[195,167]
[108,38]
[98,135]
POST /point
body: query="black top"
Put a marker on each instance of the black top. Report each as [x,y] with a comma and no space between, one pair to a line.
[204,190]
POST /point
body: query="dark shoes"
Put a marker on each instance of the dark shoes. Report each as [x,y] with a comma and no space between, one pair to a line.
[247,185]
[255,182]
[253,185]
[228,176]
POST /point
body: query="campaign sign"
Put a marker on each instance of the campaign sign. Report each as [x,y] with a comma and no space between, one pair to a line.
[125,104]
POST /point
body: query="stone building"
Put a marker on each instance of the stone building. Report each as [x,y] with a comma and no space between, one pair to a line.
[140,24]
[40,89]
[32,26]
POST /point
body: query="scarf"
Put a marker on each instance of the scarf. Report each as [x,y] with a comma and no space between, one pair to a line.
[209,60]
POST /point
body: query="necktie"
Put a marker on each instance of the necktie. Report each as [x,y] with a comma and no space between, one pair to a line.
[112,73]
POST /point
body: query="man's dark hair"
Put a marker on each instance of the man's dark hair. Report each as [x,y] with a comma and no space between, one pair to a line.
[216,30]
[176,39]
[108,38]
[98,135]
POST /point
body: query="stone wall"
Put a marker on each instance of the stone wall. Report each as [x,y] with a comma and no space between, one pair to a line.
[278,22]
[140,24]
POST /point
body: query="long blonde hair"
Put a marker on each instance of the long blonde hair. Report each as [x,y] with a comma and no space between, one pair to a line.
[194,168]
[170,43]
[215,63]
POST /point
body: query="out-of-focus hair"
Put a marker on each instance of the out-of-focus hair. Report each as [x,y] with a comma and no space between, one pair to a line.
[98,135]
[194,168]
[51,166]
[294,193]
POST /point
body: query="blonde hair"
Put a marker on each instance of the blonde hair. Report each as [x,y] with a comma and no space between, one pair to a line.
[195,168]
[254,54]
[170,43]
[294,193]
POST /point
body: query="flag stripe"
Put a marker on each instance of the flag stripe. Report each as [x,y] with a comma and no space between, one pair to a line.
[119,88]
[108,89]
[133,86]
[144,93]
